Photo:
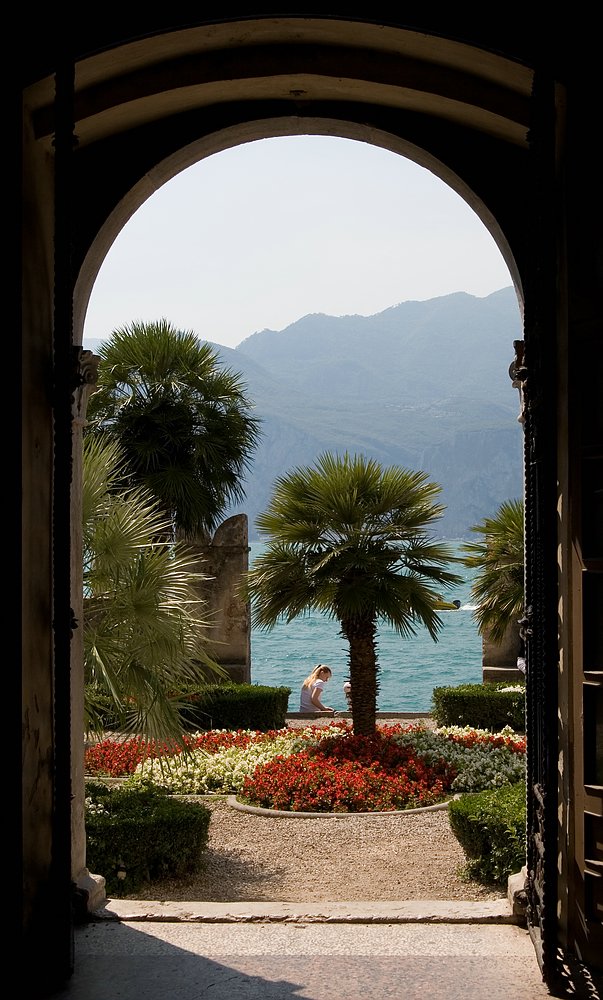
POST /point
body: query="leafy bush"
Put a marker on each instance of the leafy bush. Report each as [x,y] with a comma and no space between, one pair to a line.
[135,833]
[485,706]
[491,828]
[223,705]
[237,706]
[101,709]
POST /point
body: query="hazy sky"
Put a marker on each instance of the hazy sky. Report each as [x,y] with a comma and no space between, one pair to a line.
[260,235]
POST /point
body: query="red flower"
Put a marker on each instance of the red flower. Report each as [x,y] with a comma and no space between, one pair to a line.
[349,774]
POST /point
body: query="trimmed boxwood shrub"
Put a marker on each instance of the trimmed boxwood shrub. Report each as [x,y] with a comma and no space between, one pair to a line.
[221,706]
[137,833]
[481,706]
[238,706]
[491,828]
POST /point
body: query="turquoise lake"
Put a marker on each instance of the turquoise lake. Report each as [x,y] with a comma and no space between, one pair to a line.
[409,667]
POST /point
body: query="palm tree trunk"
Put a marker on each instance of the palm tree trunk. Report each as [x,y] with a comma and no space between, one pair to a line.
[361,634]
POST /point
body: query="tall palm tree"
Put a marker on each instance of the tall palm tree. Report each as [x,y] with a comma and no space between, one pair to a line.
[143,634]
[349,538]
[183,421]
[498,587]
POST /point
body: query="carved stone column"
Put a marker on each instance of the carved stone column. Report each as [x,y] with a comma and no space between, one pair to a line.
[224,559]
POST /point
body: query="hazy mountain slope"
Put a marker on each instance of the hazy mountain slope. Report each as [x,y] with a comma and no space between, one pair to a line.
[422,384]
[453,345]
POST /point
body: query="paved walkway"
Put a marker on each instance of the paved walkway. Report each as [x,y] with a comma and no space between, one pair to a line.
[256,952]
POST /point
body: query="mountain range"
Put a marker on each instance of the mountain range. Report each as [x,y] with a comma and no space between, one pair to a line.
[423,384]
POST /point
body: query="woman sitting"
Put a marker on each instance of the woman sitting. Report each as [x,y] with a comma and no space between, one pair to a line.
[312,689]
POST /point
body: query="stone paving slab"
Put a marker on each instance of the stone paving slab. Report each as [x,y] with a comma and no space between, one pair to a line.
[118,960]
[410,911]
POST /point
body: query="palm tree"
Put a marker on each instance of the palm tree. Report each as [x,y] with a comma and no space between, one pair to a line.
[498,588]
[184,422]
[349,538]
[143,637]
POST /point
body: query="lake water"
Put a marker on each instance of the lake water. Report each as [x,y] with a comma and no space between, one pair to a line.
[409,667]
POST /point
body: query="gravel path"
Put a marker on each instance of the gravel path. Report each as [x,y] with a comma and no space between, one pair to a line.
[262,858]
[282,859]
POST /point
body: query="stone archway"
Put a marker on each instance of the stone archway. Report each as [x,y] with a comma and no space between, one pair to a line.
[328,103]
[113,113]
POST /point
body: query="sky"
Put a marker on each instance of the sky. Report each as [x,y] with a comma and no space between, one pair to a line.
[260,235]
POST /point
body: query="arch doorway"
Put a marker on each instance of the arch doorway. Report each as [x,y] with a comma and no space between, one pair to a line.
[107,117]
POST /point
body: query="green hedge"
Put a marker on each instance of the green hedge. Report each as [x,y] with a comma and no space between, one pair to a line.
[482,706]
[491,828]
[219,706]
[139,831]
[238,706]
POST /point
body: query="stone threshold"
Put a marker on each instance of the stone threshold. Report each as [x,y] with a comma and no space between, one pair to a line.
[384,912]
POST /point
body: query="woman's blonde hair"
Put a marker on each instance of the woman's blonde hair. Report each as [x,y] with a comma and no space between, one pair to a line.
[313,677]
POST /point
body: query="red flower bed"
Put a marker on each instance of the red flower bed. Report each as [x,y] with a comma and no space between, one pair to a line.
[379,750]
[118,758]
[349,774]
[342,773]
[473,738]
[468,737]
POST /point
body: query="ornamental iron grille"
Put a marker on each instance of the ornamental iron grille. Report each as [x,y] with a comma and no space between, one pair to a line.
[535,369]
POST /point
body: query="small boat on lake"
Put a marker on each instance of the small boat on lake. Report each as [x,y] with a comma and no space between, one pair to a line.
[442,605]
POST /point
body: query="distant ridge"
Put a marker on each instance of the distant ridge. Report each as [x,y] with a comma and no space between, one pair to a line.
[423,384]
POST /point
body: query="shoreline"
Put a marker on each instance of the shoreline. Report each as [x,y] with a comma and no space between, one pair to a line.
[348,715]
[299,720]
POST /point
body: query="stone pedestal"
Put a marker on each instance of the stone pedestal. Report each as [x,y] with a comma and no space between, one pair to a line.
[499,660]
[224,561]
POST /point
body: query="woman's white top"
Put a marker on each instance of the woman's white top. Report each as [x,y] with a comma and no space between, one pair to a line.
[305,699]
